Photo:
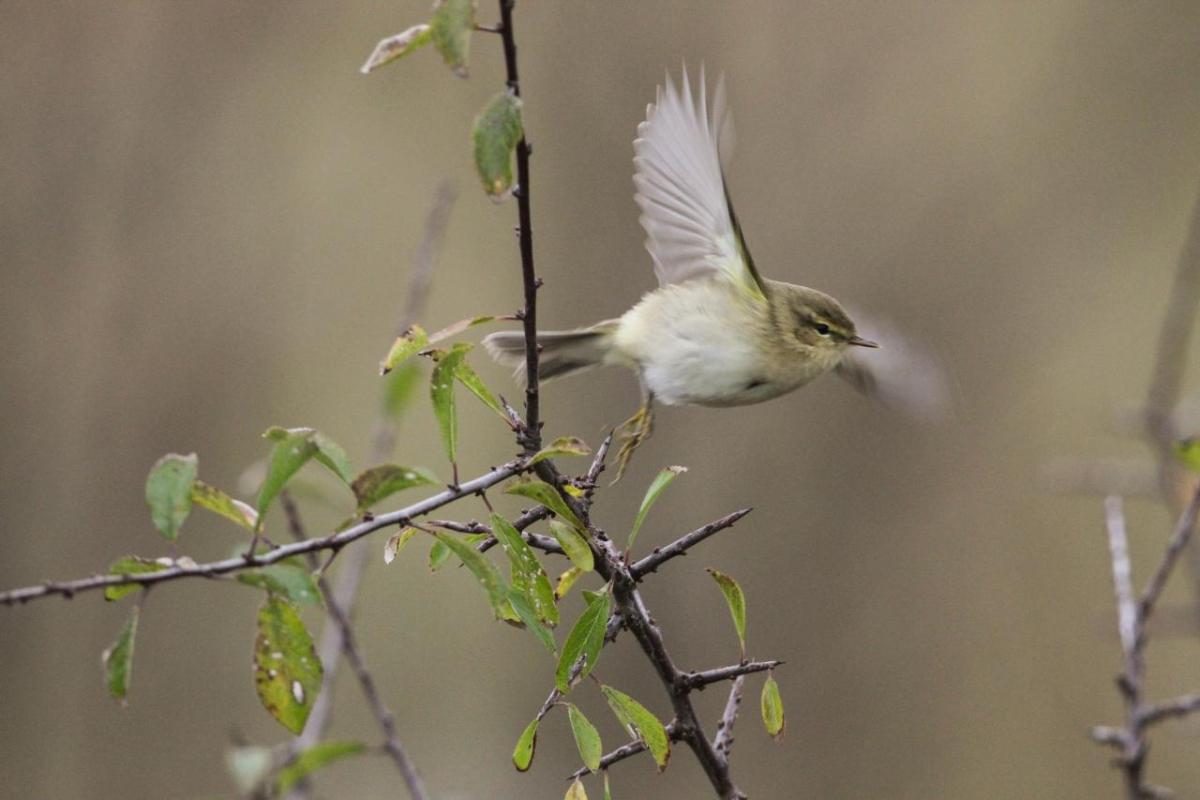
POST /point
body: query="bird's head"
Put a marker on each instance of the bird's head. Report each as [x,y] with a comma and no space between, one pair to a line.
[814,323]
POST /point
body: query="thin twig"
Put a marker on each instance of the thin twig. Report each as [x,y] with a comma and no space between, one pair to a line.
[680,546]
[698,680]
[1174,708]
[188,569]
[1179,540]
[626,750]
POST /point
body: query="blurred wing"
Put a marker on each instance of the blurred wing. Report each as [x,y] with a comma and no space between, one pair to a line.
[900,373]
[691,230]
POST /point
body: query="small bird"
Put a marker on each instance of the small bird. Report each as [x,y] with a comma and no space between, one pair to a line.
[715,332]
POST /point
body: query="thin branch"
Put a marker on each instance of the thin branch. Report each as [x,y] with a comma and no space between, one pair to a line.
[680,546]
[185,568]
[531,434]
[723,743]
[698,680]
[1179,539]
[1174,708]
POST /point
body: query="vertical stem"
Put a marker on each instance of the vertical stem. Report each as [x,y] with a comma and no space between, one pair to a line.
[531,435]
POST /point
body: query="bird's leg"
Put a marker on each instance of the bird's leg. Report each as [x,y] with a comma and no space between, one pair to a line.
[633,432]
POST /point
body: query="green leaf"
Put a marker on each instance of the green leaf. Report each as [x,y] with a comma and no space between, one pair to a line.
[641,723]
[118,659]
[562,446]
[586,639]
[657,486]
[483,570]
[523,753]
[544,494]
[437,556]
[470,379]
[397,47]
[566,581]
[287,672]
[737,603]
[498,129]
[249,767]
[607,790]
[574,545]
[587,738]
[451,26]
[216,501]
[290,580]
[407,344]
[313,759]
[169,492]
[131,565]
[1188,451]
[398,388]
[294,447]
[772,707]
[528,577]
[396,542]
[383,481]
[576,791]
[441,390]
[525,612]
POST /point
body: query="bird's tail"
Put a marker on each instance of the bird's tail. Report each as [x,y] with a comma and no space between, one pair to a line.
[562,352]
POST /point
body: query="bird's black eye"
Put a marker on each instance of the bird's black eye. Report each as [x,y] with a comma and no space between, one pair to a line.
[822,328]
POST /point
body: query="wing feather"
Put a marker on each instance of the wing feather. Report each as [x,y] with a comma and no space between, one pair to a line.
[691,231]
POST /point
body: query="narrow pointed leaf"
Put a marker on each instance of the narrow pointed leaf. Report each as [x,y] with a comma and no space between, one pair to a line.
[772,707]
[544,494]
[397,47]
[131,565]
[483,570]
[313,759]
[562,446]
[566,581]
[213,499]
[169,492]
[527,616]
[643,724]
[657,486]
[441,391]
[287,672]
[455,328]
[607,790]
[451,25]
[528,577]
[497,130]
[378,483]
[396,542]
[576,791]
[407,345]
[585,639]
[118,658]
[438,554]
[470,379]
[587,738]
[290,580]
[523,754]
[737,603]
[574,545]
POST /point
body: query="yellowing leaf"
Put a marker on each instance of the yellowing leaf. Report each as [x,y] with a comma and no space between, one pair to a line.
[407,344]
[497,131]
[1188,451]
[544,494]
[287,672]
[523,754]
[574,545]
[566,581]
[118,659]
[395,544]
[587,738]
[647,727]
[737,603]
[216,501]
[772,707]
[576,791]
[396,47]
[169,492]
[562,446]
[130,565]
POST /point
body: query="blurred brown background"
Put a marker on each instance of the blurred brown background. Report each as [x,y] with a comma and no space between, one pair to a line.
[208,220]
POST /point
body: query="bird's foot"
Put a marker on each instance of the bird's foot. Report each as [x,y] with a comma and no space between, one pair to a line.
[632,432]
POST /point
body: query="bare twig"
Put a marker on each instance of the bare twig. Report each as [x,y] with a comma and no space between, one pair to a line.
[1174,708]
[626,750]
[698,680]
[680,546]
[188,569]
[1179,540]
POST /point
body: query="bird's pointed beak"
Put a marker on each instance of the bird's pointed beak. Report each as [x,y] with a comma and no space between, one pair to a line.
[861,342]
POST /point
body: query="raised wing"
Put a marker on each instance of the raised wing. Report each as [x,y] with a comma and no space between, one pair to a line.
[691,230]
